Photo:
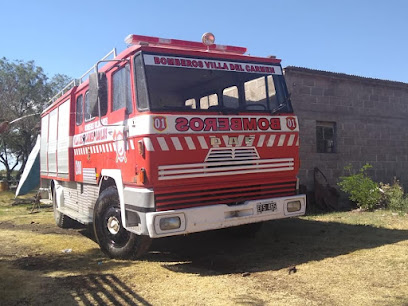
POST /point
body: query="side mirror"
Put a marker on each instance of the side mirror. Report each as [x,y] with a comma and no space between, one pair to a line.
[98,93]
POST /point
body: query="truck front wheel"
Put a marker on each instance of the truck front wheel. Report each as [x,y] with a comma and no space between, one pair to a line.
[114,240]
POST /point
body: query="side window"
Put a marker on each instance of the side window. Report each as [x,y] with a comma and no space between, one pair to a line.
[88,111]
[141,89]
[325,137]
[207,101]
[230,97]
[255,94]
[271,91]
[79,111]
[121,90]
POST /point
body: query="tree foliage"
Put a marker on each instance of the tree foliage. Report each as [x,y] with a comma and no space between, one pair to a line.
[24,90]
[58,82]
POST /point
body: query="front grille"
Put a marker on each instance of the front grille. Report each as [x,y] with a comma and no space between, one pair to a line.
[224,168]
[231,195]
[226,161]
[231,154]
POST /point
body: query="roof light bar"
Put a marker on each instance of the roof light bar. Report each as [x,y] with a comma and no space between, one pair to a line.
[156,41]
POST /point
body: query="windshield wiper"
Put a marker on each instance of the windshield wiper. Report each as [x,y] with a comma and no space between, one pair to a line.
[223,110]
[172,108]
[229,110]
[282,105]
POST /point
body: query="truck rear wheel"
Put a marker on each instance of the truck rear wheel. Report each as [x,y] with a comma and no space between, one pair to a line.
[61,220]
[114,240]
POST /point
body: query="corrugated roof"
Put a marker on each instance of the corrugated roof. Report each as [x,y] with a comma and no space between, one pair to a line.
[345,76]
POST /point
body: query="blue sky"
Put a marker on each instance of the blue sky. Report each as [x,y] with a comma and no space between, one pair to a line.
[365,38]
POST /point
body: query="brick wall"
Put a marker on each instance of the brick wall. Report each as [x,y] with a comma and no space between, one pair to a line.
[370,118]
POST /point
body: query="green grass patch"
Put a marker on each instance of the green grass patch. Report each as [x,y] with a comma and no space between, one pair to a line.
[347,258]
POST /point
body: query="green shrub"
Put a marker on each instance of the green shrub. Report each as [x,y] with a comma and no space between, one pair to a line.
[394,197]
[361,188]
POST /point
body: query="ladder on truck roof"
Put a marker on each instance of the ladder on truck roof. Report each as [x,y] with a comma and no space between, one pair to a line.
[80,80]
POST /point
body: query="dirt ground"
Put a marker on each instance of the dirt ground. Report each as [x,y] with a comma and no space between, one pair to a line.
[350,258]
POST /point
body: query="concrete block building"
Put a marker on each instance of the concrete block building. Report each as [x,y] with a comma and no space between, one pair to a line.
[347,119]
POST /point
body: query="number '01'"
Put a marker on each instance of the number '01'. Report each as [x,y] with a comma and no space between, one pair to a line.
[160,123]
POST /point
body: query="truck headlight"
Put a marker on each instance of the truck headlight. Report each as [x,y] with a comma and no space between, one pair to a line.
[293,206]
[170,223]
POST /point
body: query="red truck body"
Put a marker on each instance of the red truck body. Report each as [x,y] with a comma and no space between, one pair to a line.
[172,137]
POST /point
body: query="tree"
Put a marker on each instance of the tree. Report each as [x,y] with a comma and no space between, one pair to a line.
[24,90]
[58,83]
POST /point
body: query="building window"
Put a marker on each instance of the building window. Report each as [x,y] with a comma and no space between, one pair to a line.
[325,137]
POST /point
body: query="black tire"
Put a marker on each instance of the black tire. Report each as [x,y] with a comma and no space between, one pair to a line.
[61,220]
[114,240]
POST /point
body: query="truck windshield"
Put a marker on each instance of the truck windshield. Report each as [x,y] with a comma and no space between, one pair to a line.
[186,84]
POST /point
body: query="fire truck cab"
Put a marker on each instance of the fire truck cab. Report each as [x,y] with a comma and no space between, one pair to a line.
[172,137]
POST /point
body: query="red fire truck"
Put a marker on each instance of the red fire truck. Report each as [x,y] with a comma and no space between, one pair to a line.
[172,137]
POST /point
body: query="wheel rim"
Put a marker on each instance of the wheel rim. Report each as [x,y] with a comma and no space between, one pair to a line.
[116,234]
[113,225]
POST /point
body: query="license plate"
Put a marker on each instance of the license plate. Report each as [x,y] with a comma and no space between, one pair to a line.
[263,207]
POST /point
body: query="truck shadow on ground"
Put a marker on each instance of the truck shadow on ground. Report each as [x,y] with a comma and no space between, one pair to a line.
[279,244]
[94,284]
[101,289]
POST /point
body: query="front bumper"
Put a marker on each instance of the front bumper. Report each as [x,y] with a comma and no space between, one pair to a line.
[213,217]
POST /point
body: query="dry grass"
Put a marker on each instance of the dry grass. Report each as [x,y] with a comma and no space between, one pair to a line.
[346,258]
